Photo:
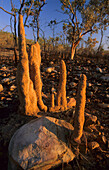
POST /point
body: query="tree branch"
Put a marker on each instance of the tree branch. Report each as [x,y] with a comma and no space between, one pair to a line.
[5,27]
[80,37]
[22,5]
[28,12]
[41,6]
[7,11]
[86,32]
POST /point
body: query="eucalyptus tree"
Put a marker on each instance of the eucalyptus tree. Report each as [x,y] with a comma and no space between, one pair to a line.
[33,9]
[52,25]
[13,14]
[83,17]
[101,9]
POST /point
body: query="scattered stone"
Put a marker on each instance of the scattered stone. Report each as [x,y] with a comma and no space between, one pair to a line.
[50,69]
[88,129]
[105,78]
[107,95]
[5,80]
[9,99]
[90,94]
[99,70]
[102,139]
[1,88]
[3,68]
[88,62]
[71,102]
[103,105]
[13,87]
[90,119]
[89,84]
[72,84]
[41,143]
[4,75]
[93,145]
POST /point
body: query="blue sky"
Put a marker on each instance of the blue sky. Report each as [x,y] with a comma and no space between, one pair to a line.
[49,12]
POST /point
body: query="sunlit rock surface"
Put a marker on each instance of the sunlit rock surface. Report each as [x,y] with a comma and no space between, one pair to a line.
[42,143]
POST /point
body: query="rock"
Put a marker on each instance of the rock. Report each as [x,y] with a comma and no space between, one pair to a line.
[93,145]
[73,84]
[88,62]
[107,95]
[3,68]
[103,105]
[12,78]
[99,70]
[51,62]
[90,94]
[5,80]
[89,84]
[4,75]
[90,119]
[105,78]
[13,87]
[88,129]
[95,89]
[101,139]
[41,144]
[1,88]
[50,69]
[71,102]
[9,99]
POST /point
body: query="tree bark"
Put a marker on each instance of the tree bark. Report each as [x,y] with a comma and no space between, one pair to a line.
[98,50]
[15,41]
[74,44]
[72,51]
[37,28]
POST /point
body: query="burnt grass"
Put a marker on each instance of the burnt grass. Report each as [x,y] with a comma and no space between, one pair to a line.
[97,92]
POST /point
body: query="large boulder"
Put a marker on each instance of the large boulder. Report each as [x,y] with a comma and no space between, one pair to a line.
[41,144]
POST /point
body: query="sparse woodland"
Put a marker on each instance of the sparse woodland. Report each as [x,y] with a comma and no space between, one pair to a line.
[58,77]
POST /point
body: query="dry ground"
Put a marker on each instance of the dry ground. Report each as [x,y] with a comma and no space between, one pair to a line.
[97,93]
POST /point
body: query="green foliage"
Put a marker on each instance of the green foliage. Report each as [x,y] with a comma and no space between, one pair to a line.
[33,9]
[91,42]
[84,17]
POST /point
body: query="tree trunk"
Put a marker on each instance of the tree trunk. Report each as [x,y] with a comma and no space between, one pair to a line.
[72,51]
[100,45]
[73,47]
[15,40]
[37,28]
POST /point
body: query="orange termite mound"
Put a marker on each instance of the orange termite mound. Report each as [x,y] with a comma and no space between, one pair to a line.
[35,75]
[28,90]
[79,110]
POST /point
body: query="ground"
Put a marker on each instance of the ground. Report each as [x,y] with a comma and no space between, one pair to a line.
[92,155]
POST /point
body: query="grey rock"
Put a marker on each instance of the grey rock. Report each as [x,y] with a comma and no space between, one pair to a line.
[5,80]
[41,144]
[105,78]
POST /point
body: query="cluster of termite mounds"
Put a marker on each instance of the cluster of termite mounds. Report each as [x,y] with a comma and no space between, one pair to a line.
[30,85]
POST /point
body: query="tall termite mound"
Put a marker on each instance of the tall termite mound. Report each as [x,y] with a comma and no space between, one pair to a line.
[61,100]
[35,75]
[26,92]
[79,110]
[61,94]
